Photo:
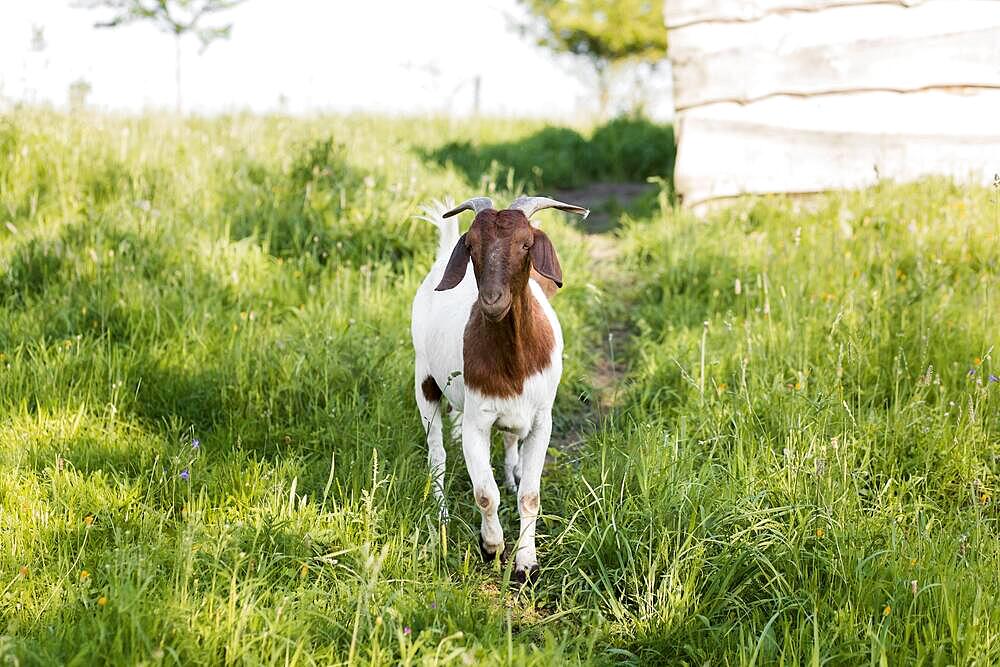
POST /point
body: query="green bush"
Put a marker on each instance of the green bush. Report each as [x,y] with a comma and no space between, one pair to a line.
[625,149]
[633,149]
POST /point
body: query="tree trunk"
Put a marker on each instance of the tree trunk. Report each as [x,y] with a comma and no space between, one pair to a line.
[177,70]
[603,91]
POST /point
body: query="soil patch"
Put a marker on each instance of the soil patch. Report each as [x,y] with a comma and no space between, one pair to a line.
[606,201]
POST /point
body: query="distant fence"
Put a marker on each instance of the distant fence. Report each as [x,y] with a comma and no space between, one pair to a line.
[802,96]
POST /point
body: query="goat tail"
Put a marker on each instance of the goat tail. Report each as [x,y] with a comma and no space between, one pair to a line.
[447,227]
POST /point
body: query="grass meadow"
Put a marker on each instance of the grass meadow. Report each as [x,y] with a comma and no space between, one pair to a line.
[776,440]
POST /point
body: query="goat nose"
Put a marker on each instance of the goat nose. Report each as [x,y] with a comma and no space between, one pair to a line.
[490,297]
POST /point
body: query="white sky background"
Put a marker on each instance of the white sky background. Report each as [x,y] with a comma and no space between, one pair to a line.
[390,56]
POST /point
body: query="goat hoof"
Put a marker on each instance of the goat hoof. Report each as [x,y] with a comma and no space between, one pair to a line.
[527,576]
[488,556]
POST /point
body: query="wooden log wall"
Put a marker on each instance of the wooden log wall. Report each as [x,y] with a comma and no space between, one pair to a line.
[800,96]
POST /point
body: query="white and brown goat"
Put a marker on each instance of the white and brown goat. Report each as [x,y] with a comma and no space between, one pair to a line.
[488,342]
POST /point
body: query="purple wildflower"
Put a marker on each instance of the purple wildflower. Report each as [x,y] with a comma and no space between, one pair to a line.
[994,378]
[185,474]
[434,605]
[407,630]
[972,371]
[195,444]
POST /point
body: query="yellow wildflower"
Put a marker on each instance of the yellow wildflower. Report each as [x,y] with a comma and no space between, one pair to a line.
[101,601]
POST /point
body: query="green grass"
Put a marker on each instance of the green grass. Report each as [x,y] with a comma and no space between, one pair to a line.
[799,467]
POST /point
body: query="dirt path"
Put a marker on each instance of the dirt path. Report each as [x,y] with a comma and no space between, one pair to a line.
[605,201]
[607,374]
[604,248]
[608,371]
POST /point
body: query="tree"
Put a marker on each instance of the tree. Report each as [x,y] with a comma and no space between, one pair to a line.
[607,33]
[176,17]
[77,94]
[38,43]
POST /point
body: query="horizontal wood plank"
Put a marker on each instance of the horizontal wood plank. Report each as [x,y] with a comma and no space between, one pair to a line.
[962,112]
[725,158]
[958,60]
[788,33]
[682,13]
[847,49]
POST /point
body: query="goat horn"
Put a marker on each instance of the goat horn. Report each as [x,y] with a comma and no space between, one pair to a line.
[476,204]
[531,205]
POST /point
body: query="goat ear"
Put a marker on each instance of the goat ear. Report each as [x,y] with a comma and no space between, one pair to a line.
[544,259]
[457,264]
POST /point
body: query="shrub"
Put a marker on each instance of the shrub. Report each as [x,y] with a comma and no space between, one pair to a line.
[625,149]
[633,149]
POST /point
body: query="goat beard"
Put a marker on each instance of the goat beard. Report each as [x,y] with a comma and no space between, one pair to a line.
[498,317]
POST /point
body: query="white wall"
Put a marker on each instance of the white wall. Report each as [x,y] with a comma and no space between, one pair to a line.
[813,95]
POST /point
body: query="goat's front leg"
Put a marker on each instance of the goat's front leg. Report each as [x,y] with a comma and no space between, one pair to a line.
[476,447]
[528,496]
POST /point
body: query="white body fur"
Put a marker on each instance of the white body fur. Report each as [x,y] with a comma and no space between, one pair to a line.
[438,329]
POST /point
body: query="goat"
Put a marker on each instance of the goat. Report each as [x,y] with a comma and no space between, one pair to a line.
[488,341]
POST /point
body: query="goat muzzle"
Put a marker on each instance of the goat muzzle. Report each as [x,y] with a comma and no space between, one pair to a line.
[495,305]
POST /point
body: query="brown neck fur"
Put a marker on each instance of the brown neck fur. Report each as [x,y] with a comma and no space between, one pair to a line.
[500,356]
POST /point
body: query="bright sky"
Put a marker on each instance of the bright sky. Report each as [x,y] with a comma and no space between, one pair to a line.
[392,56]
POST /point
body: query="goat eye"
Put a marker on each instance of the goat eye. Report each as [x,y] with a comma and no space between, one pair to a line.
[526,245]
